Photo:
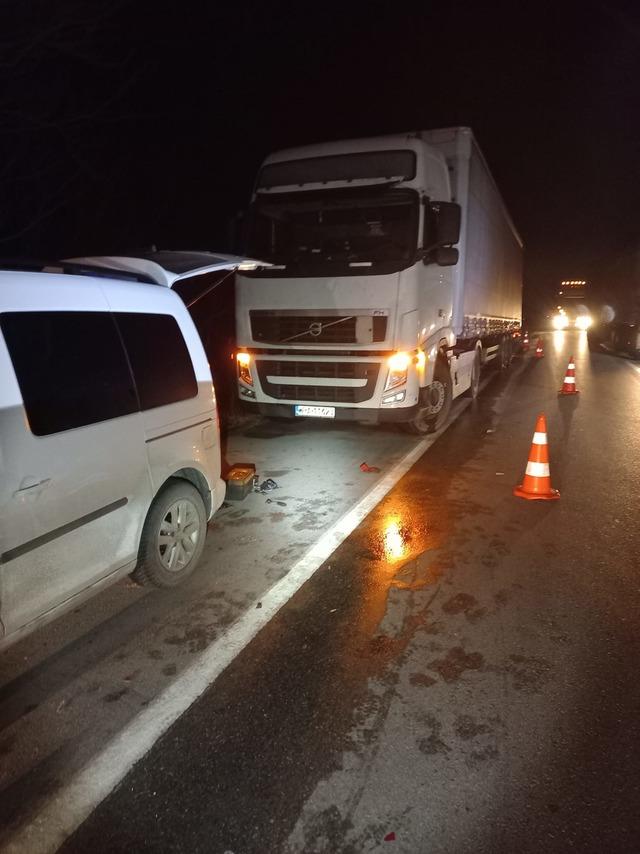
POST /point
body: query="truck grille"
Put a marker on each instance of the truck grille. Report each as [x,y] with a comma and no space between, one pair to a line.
[310,370]
[271,327]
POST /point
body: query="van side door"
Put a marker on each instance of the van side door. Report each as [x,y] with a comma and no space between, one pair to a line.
[74,480]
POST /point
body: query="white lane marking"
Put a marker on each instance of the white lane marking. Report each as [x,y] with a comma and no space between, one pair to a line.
[65,811]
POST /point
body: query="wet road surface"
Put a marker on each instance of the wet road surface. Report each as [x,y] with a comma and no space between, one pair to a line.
[460,675]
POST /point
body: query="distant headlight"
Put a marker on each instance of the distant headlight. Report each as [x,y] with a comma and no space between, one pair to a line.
[584,321]
[559,321]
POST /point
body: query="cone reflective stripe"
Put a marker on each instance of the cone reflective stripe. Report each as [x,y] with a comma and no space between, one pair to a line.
[539,350]
[569,384]
[537,478]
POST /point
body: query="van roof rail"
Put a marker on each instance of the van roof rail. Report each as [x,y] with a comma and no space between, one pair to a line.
[73,268]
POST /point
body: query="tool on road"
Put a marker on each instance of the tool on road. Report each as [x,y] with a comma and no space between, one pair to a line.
[537,479]
[273,501]
[267,485]
[539,350]
[569,384]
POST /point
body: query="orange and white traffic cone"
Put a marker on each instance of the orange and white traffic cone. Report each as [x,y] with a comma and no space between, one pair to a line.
[569,384]
[525,342]
[537,479]
[539,350]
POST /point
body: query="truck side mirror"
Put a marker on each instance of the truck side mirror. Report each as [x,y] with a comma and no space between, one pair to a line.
[447,222]
[446,256]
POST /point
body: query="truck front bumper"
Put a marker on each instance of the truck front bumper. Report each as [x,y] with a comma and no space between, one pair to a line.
[343,413]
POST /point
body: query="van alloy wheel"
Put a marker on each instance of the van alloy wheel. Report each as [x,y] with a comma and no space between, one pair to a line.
[178,535]
[173,535]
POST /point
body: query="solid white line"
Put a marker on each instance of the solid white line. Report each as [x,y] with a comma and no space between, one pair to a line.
[65,811]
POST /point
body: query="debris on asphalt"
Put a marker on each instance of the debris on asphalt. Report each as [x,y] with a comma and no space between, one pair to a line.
[258,604]
[267,485]
[491,430]
[273,501]
[499,472]
[390,837]
[367,468]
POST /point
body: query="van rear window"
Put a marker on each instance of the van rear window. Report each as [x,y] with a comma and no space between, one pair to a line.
[71,368]
[159,358]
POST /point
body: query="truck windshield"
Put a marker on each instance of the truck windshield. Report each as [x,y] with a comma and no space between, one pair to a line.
[336,232]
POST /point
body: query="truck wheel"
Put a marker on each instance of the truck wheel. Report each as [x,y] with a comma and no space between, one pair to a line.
[434,409]
[505,354]
[172,537]
[474,388]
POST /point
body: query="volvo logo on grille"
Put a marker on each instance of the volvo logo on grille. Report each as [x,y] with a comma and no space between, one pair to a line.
[315,329]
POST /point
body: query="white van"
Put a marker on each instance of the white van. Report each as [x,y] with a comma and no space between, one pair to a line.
[109,440]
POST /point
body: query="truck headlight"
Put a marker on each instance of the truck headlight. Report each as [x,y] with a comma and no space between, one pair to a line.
[244,369]
[583,321]
[398,369]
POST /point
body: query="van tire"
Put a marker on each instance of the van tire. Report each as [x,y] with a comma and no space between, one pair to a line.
[178,510]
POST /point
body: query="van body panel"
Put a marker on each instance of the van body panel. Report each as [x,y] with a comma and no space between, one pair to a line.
[73,502]
[72,506]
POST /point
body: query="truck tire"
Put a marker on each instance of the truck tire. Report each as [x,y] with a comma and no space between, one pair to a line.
[435,408]
[505,354]
[172,537]
[474,388]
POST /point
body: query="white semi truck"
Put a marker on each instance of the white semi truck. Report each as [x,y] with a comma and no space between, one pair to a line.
[393,274]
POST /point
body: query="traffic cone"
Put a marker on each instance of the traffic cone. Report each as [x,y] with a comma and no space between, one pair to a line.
[525,342]
[537,480]
[569,384]
[539,350]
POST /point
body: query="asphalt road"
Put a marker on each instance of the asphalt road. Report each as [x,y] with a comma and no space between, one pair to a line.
[459,676]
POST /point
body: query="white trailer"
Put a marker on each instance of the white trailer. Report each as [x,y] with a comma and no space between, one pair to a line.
[395,274]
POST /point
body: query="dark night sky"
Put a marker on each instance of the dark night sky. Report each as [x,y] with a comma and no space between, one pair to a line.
[124,124]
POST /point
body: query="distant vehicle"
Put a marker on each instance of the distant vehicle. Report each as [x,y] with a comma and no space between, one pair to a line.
[396,275]
[109,441]
[615,337]
[617,322]
[571,310]
[571,318]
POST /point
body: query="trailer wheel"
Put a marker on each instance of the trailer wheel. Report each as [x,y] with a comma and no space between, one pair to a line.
[505,354]
[436,405]
[474,388]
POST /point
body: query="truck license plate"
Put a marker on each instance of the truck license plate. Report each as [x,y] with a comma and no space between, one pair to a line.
[315,411]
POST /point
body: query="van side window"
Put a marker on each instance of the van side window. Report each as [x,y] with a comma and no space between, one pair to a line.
[159,358]
[71,368]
